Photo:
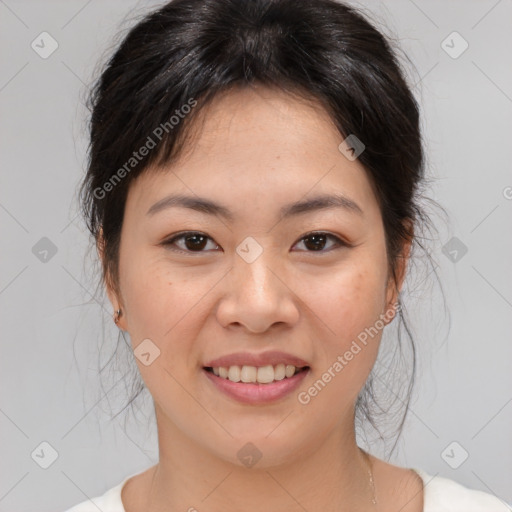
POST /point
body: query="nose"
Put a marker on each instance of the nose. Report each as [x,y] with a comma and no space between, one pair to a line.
[256,296]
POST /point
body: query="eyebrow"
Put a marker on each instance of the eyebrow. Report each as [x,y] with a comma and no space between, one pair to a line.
[203,205]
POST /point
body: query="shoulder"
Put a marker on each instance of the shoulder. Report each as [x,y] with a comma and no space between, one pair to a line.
[445,495]
[110,501]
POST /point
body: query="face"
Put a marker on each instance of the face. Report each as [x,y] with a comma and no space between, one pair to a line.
[250,280]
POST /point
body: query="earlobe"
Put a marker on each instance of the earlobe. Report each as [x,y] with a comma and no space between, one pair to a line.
[118,316]
[391,302]
[402,263]
[404,255]
[392,308]
[396,280]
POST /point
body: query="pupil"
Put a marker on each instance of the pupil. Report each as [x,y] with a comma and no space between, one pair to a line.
[318,241]
[199,242]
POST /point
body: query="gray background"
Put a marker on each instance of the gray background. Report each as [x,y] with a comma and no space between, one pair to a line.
[51,321]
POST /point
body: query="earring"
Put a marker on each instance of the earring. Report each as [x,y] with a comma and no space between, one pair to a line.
[117,316]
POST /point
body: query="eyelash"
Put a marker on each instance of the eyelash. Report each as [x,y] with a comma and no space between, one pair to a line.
[168,243]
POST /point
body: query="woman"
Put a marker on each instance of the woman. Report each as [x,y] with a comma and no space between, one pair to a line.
[252,191]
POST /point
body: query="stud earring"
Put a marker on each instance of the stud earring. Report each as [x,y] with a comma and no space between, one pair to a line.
[117,316]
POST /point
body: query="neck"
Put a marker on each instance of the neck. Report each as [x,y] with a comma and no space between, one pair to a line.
[329,476]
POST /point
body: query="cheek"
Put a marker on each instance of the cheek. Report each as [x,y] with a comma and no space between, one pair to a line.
[161,305]
[149,291]
[164,305]
[349,305]
[351,300]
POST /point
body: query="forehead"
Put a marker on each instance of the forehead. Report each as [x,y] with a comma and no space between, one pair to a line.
[258,144]
[265,124]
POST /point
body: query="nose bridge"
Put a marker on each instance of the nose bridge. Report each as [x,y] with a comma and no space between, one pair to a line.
[255,273]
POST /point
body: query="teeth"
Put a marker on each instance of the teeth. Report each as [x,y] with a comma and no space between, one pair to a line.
[234,373]
[265,374]
[289,370]
[280,372]
[262,374]
[248,374]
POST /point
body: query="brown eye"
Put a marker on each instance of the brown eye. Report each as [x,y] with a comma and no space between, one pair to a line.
[316,242]
[191,242]
[197,242]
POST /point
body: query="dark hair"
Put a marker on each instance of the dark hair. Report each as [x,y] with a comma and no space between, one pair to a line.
[188,51]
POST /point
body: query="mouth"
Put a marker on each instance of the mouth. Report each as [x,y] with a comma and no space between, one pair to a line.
[251,385]
[246,374]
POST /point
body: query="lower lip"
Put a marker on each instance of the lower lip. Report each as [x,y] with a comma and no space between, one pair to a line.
[256,393]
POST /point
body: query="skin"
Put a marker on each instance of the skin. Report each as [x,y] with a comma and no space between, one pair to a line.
[254,151]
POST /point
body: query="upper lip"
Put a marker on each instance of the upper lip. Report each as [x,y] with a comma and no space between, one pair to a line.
[263,359]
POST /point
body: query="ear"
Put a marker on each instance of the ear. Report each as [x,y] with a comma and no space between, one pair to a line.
[396,282]
[108,283]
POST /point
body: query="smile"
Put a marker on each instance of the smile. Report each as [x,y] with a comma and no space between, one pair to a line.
[253,374]
[256,385]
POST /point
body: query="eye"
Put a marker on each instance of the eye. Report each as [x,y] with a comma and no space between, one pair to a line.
[193,241]
[317,241]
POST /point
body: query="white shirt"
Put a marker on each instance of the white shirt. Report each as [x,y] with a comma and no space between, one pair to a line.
[440,495]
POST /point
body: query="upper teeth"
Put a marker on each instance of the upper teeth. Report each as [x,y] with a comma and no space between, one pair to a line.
[263,374]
